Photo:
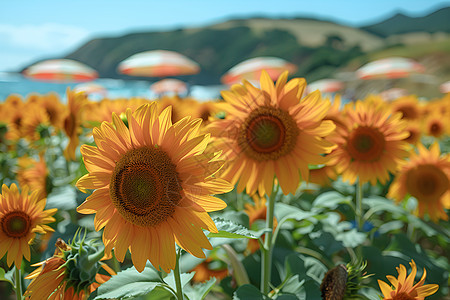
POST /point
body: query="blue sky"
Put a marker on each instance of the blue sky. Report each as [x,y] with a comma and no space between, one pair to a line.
[31,30]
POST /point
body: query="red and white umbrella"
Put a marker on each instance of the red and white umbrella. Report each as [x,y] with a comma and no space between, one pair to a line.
[60,70]
[445,87]
[91,88]
[169,85]
[393,93]
[251,69]
[389,68]
[158,63]
[325,85]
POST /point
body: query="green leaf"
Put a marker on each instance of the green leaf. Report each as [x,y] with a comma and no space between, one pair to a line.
[390,226]
[199,291]
[285,212]
[6,276]
[294,286]
[248,292]
[380,204]
[229,229]
[62,198]
[185,278]
[330,200]
[130,283]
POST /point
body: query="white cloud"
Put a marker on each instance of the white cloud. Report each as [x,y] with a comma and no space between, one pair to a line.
[49,36]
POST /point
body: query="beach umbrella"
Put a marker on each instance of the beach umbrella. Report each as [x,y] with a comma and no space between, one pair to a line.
[251,69]
[389,68]
[60,70]
[445,87]
[91,88]
[393,93]
[325,85]
[169,85]
[158,63]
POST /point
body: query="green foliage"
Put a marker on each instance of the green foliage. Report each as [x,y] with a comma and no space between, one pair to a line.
[229,229]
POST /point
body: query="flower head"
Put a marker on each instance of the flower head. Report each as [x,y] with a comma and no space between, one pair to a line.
[76,102]
[370,145]
[35,175]
[22,215]
[403,288]
[153,184]
[271,131]
[425,176]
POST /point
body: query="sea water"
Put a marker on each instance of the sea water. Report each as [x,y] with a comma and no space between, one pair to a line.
[11,83]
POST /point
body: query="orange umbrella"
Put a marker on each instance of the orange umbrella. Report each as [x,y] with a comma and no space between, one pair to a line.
[60,70]
[169,85]
[389,68]
[325,85]
[158,63]
[251,69]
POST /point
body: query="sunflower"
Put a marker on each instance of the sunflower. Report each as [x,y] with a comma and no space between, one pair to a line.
[152,185]
[403,288]
[435,125]
[21,216]
[35,175]
[205,270]
[370,145]
[97,112]
[72,121]
[71,273]
[177,106]
[323,176]
[426,176]
[408,106]
[203,110]
[415,133]
[53,108]
[13,110]
[35,122]
[271,131]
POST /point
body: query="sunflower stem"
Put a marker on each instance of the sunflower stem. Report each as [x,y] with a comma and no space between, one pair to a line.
[266,251]
[18,284]
[176,274]
[359,210]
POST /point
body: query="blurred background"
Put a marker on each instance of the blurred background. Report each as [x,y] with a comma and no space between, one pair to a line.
[353,48]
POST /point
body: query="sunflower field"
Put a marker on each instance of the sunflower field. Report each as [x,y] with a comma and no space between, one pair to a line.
[270,192]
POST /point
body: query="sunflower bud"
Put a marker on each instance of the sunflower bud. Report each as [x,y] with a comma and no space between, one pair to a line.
[82,262]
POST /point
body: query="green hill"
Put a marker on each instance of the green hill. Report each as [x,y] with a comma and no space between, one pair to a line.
[318,48]
[437,21]
[219,47]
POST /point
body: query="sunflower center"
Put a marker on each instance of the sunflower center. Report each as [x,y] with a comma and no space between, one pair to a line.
[408,112]
[435,129]
[267,134]
[366,144]
[427,181]
[16,224]
[145,187]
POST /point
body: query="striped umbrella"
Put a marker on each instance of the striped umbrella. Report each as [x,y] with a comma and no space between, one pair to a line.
[91,88]
[445,87]
[60,70]
[325,85]
[389,68]
[169,85]
[251,69]
[158,63]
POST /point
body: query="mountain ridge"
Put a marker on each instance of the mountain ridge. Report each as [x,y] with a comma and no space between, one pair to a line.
[318,47]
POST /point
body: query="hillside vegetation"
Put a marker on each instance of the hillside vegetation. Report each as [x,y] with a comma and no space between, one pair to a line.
[319,48]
